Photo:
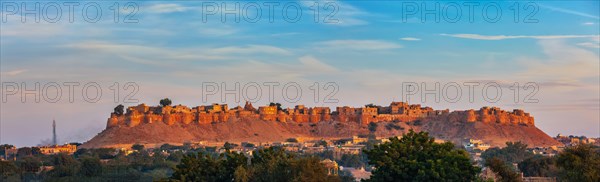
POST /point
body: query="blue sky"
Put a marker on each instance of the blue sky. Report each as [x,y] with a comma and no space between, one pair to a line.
[369,51]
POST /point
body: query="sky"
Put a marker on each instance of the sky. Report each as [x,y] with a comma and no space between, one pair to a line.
[543,56]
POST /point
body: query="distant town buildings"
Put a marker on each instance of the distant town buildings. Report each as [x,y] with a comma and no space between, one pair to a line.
[473,145]
[55,149]
[575,140]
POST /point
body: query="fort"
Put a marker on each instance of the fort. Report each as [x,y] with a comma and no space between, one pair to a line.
[396,111]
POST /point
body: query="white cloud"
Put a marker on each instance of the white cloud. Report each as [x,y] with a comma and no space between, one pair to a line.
[33,30]
[588,23]
[568,11]
[166,8]
[14,72]
[589,45]
[503,37]
[562,62]
[359,44]
[217,31]
[342,14]
[316,64]
[284,34]
[410,39]
[250,49]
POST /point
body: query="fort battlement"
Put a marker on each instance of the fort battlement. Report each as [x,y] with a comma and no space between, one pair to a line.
[396,111]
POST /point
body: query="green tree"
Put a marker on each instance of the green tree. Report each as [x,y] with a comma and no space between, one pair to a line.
[3,147]
[229,146]
[276,104]
[165,102]
[30,164]
[119,110]
[416,157]
[64,165]
[137,147]
[505,172]
[24,151]
[275,164]
[539,166]
[7,169]
[271,164]
[205,167]
[514,152]
[580,163]
[90,167]
[372,127]
[351,160]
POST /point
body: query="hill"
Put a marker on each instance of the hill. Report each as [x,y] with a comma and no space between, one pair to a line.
[256,130]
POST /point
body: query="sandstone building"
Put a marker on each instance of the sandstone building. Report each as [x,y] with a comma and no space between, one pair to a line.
[396,111]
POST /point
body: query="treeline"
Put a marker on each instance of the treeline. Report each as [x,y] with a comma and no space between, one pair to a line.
[575,163]
[414,157]
[270,164]
[105,164]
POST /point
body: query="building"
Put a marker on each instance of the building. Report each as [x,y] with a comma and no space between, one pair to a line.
[332,167]
[55,149]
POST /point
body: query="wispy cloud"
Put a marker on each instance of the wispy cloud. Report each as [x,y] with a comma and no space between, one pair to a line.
[251,49]
[503,37]
[316,64]
[165,8]
[410,39]
[285,34]
[359,45]
[342,14]
[568,11]
[217,31]
[157,55]
[14,72]
[31,30]
[562,62]
[588,23]
[589,44]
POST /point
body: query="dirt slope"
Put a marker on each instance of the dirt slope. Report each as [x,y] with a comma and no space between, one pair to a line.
[267,131]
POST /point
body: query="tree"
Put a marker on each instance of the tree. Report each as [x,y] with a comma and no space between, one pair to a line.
[137,147]
[165,102]
[580,163]
[205,167]
[90,167]
[505,173]
[30,164]
[416,157]
[229,146]
[271,164]
[372,127]
[351,160]
[514,152]
[276,104]
[4,147]
[539,166]
[64,165]
[120,110]
[7,169]
[291,140]
[24,151]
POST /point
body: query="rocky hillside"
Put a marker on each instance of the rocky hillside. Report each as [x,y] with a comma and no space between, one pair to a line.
[255,130]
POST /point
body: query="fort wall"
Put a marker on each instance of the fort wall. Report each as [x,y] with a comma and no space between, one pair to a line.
[396,112]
